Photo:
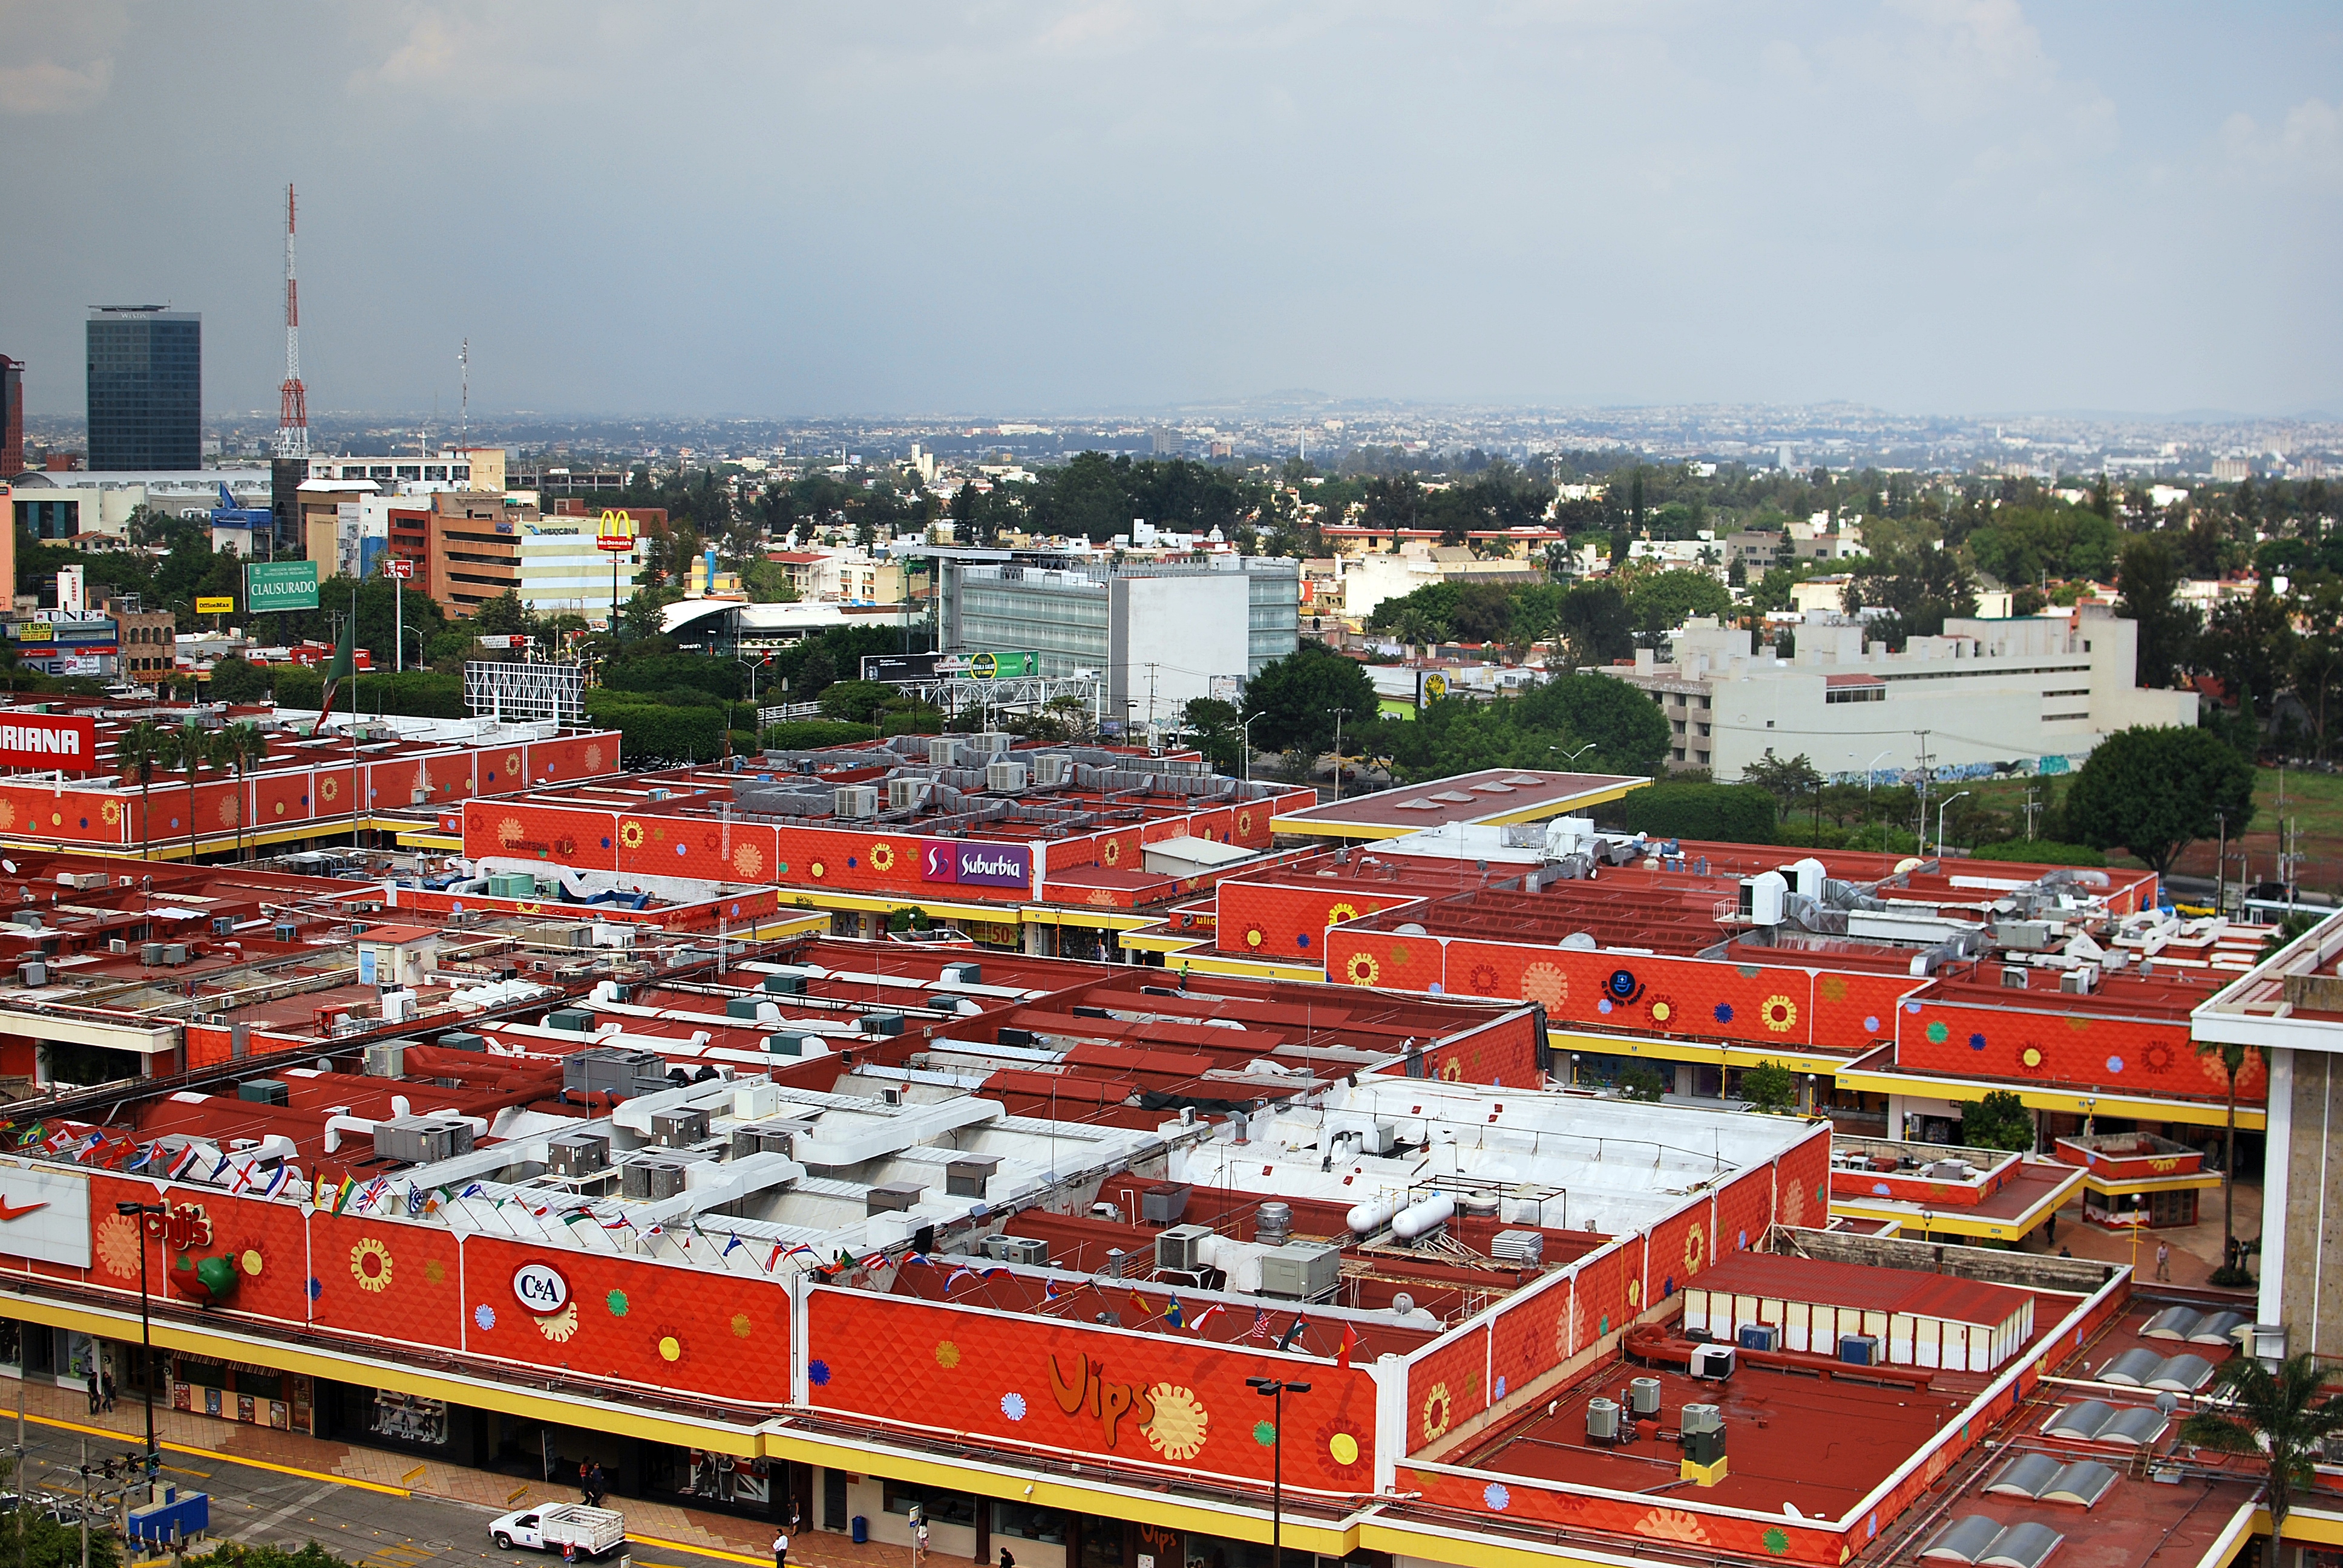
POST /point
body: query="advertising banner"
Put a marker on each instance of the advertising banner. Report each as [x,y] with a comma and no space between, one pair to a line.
[45,1215]
[280,585]
[66,740]
[224,604]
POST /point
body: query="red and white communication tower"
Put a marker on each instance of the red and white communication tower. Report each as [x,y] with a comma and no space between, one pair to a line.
[293,407]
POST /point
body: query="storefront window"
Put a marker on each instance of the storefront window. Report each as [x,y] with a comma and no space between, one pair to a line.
[1029,1523]
[410,1418]
[937,1506]
[727,1478]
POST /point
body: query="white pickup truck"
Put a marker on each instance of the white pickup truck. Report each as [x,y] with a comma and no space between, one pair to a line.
[594,1532]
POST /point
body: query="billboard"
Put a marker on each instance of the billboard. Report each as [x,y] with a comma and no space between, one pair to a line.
[280,585]
[976,865]
[989,666]
[66,740]
[614,532]
[45,1215]
[223,605]
[900,667]
[1430,685]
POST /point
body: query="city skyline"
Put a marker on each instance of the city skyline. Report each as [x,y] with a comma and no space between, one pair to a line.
[1949,208]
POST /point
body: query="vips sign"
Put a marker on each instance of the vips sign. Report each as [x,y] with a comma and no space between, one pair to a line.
[976,865]
[48,740]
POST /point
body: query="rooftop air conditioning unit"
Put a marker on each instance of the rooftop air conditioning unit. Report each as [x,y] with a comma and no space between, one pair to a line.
[855,801]
[649,1180]
[1523,1249]
[1713,1362]
[943,751]
[1299,1271]
[1177,1247]
[993,742]
[1031,1250]
[678,1129]
[908,794]
[116,945]
[1006,778]
[577,1154]
[1051,769]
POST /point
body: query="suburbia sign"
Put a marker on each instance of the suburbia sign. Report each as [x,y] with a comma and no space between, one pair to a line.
[978,865]
[48,740]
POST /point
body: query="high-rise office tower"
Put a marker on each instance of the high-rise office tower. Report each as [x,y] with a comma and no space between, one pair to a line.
[145,387]
[12,416]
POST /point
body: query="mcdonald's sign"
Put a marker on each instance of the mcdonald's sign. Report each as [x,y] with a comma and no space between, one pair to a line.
[614,533]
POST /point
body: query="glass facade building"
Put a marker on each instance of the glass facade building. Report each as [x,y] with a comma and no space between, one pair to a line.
[146,389]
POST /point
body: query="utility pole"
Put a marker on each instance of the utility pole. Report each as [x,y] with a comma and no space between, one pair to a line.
[1922,830]
[2031,807]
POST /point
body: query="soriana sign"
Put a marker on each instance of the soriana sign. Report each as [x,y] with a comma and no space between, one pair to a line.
[66,740]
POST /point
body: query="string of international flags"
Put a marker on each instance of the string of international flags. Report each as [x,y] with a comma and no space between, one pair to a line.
[248,1174]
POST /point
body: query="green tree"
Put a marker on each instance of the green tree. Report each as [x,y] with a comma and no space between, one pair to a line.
[2156,791]
[138,753]
[855,700]
[1786,782]
[190,749]
[1664,601]
[1641,1081]
[1729,813]
[1217,730]
[1629,731]
[238,680]
[2279,1416]
[1770,1088]
[1595,624]
[1299,698]
[243,746]
[2233,1059]
[2149,576]
[1999,1120]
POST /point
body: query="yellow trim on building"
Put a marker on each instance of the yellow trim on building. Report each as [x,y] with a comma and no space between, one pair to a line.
[1218,963]
[1917,1219]
[1146,942]
[2194,1113]
[609,1416]
[1709,1053]
[2201,1180]
[432,839]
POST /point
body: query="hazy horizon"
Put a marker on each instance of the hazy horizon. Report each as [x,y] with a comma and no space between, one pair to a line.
[1929,207]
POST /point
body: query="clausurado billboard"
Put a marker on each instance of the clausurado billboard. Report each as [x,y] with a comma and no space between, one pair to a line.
[280,585]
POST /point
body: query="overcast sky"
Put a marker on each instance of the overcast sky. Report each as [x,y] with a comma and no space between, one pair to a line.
[1932,206]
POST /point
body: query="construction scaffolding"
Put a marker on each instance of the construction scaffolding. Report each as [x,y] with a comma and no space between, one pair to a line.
[524,689]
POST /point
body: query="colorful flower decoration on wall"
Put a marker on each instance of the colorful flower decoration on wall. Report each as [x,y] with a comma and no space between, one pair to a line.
[1663,1008]
[749,860]
[1780,1013]
[561,1325]
[370,1265]
[882,856]
[1337,913]
[1439,1412]
[630,835]
[1361,970]
[1672,1524]
[1012,1405]
[118,1246]
[484,1316]
[1180,1424]
[1496,1495]
[616,1302]
[947,1355]
[1546,984]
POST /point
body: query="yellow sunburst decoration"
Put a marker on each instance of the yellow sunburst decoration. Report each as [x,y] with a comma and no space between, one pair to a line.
[1696,1251]
[561,1325]
[882,857]
[370,1265]
[1439,1412]
[1780,1013]
[1363,969]
[1337,913]
[1178,1428]
[748,859]
[630,834]
[112,812]
[1111,851]
[329,790]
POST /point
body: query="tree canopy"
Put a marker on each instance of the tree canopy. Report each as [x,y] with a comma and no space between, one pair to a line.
[2156,791]
[1298,696]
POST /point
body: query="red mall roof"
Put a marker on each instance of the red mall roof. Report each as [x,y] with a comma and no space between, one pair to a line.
[1817,1281]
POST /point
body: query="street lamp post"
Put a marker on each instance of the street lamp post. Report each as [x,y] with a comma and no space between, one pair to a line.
[1246,730]
[1570,759]
[1870,767]
[140,1212]
[1276,1389]
[1940,821]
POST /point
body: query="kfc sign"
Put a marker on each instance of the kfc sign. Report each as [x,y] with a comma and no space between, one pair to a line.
[48,740]
[976,865]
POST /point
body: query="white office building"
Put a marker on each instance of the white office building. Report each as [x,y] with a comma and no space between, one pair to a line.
[564,572]
[1159,632]
[1986,691]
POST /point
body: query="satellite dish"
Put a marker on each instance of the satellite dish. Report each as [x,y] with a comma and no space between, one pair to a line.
[1402,1304]
[9,866]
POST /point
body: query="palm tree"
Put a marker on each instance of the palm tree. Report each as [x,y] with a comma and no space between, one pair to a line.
[190,749]
[2233,1062]
[136,756]
[244,748]
[2269,1414]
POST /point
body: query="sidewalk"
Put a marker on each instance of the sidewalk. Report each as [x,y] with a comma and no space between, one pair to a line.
[2196,1248]
[648,1521]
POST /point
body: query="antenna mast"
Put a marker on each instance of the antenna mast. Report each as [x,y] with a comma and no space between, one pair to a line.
[292,402]
[464,417]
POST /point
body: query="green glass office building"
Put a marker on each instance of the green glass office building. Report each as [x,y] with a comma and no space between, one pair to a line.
[146,389]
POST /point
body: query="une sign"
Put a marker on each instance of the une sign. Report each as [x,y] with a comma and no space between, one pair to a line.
[976,865]
[539,1288]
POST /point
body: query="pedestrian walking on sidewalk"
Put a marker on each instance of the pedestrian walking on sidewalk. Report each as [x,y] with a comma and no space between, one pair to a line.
[2164,1260]
[780,1549]
[94,1392]
[1006,1560]
[107,1386]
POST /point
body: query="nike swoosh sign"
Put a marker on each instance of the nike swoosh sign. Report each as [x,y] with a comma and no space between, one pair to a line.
[18,1211]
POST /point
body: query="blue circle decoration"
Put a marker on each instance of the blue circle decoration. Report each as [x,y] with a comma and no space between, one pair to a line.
[1741,1245]
[1603,1005]
[2114,1064]
[1724,1012]
[1500,1391]
[679,849]
[1496,1497]
[316,1287]
[1871,1024]
[606,843]
[1976,1042]
[1879,1188]
[1012,1405]
[1301,940]
[818,1374]
[1624,986]
[1913,1008]
[1435,988]
[485,1315]
[84,821]
[851,863]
